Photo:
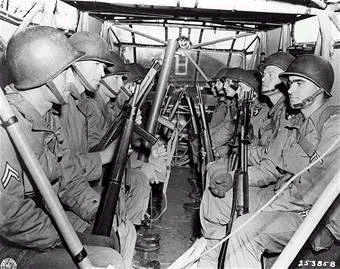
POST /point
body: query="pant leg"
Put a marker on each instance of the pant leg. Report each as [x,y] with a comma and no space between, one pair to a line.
[59,258]
[128,236]
[269,231]
[137,198]
[215,214]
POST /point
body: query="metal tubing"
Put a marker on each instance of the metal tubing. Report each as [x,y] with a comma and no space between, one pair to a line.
[162,85]
[141,34]
[235,36]
[306,228]
[42,182]
[29,17]
[196,65]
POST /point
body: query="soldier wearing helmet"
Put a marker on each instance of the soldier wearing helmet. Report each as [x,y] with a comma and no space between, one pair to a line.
[302,139]
[39,78]
[266,124]
[101,108]
[85,81]
[236,82]
[223,102]
[113,82]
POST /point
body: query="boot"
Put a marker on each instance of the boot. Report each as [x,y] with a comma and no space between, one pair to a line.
[147,234]
[146,246]
[146,264]
[192,206]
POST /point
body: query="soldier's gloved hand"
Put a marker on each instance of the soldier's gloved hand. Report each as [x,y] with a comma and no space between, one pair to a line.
[221,184]
[158,150]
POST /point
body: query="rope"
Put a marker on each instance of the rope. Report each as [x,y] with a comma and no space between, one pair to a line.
[267,204]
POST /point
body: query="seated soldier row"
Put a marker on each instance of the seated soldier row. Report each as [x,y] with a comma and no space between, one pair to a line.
[278,152]
[68,74]
[229,85]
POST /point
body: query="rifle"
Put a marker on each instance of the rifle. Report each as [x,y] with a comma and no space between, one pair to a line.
[205,128]
[240,204]
[244,141]
[114,130]
[107,207]
[195,141]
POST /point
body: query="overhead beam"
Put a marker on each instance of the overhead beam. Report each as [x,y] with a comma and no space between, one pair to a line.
[141,34]
[234,36]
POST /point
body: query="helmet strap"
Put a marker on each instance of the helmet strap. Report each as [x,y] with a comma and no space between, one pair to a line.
[125,91]
[55,92]
[82,79]
[269,91]
[307,101]
[102,81]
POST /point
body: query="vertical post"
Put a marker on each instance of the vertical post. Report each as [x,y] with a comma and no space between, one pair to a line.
[161,86]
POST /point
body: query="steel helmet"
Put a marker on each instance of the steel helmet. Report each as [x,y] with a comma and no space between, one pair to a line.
[221,73]
[252,78]
[141,70]
[314,68]
[94,46]
[118,68]
[280,59]
[234,73]
[133,73]
[31,67]
[5,77]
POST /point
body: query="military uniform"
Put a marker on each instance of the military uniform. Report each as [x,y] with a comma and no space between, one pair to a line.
[98,115]
[273,228]
[28,235]
[259,115]
[222,126]
[74,124]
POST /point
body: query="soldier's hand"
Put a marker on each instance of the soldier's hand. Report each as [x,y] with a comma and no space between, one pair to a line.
[106,155]
[158,150]
[221,184]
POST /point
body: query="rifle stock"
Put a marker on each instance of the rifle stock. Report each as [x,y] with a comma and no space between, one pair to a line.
[107,207]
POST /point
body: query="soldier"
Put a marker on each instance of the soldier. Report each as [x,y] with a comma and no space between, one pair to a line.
[217,89]
[74,121]
[27,232]
[100,113]
[224,132]
[302,140]
[112,88]
[265,122]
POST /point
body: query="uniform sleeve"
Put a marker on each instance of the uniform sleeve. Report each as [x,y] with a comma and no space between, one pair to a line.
[305,190]
[218,115]
[75,191]
[21,221]
[224,133]
[92,113]
[317,178]
[91,164]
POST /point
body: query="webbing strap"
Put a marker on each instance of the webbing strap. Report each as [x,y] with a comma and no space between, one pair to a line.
[308,147]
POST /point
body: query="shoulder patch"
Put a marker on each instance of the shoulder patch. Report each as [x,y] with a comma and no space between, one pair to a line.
[9,173]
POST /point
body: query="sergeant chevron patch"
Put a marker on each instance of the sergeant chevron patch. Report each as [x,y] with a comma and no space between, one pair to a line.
[9,173]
